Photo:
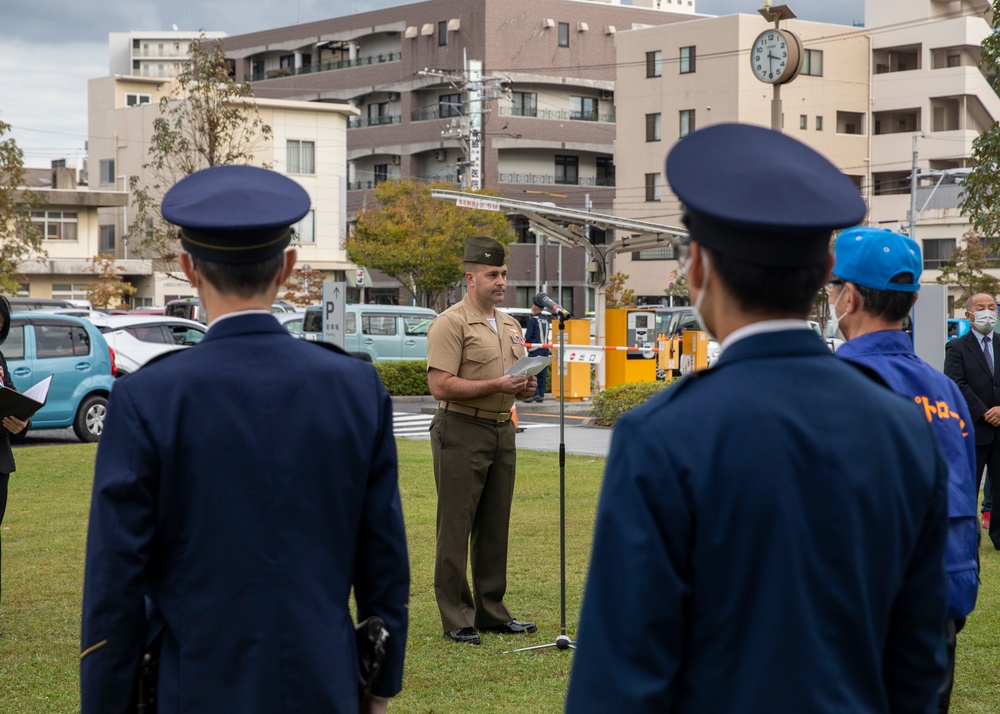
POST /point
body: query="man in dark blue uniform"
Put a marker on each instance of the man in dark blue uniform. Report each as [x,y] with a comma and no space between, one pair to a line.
[537,333]
[876,280]
[242,488]
[770,533]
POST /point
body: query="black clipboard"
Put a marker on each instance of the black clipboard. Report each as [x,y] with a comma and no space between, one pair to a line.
[23,405]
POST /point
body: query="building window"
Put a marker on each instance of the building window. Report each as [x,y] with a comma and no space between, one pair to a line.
[525,104]
[442,33]
[450,105]
[850,123]
[381,173]
[605,172]
[652,187]
[378,114]
[654,64]
[686,122]
[654,127]
[133,99]
[886,183]
[305,230]
[287,62]
[69,291]
[106,239]
[107,172]
[687,60]
[812,63]
[55,225]
[937,252]
[803,121]
[567,169]
[564,34]
[584,108]
[819,123]
[301,156]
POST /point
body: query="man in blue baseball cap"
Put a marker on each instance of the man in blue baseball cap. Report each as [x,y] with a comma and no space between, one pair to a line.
[233,509]
[714,584]
[876,277]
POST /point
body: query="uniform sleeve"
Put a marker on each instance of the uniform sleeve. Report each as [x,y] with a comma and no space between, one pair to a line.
[382,571]
[914,650]
[954,368]
[444,345]
[639,583]
[119,537]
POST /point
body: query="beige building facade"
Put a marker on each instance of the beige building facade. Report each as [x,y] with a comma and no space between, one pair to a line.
[677,78]
[308,143]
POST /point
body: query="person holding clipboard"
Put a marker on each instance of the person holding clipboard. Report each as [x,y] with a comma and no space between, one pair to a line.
[11,425]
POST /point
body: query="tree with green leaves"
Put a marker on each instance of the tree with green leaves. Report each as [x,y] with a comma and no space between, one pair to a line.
[419,240]
[678,285]
[981,188]
[20,239]
[210,120]
[966,269]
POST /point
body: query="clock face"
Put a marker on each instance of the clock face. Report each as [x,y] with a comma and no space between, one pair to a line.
[769,56]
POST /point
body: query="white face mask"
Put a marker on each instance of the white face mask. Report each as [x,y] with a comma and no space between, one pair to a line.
[833,322]
[701,291]
[984,320]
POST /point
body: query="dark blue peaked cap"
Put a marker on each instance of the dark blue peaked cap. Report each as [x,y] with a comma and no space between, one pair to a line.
[760,196]
[235,214]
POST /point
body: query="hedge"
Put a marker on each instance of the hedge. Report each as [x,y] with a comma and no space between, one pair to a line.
[406,378]
[607,406]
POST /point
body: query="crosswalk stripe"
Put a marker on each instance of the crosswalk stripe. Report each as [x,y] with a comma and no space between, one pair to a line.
[417,425]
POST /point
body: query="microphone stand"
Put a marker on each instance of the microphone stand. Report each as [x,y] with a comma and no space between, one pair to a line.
[563,641]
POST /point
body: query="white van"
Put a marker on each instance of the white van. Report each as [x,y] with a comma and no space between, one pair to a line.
[378,333]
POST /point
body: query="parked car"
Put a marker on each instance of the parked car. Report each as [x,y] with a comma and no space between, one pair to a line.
[27,304]
[378,333]
[80,361]
[136,339]
[191,309]
[675,321]
[292,322]
[957,327]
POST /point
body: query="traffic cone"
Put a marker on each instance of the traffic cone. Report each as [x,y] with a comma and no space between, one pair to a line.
[513,417]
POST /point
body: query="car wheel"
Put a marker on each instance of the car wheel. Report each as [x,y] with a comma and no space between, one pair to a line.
[89,422]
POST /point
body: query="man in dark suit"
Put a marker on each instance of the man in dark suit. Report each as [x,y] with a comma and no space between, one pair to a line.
[970,360]
[242,488]
[712,586]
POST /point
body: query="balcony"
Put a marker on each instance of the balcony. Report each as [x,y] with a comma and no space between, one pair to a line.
[363,122]
[552,179]
[379,58]
[560,114]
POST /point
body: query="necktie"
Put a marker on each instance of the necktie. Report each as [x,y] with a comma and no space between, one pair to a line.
[986,353]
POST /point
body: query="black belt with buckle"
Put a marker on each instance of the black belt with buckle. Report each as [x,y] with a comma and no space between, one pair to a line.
[484,414]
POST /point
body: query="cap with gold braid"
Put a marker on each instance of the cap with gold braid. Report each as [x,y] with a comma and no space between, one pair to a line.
[235,214]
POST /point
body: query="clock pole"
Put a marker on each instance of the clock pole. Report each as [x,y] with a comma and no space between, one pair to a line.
[776,14]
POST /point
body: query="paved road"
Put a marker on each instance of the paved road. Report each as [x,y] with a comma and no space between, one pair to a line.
[540,428]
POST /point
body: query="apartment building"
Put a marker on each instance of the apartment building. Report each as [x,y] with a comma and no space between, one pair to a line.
[308,143]
[930,100]
[515,95]
[68,218]
[677,78]
[151,54]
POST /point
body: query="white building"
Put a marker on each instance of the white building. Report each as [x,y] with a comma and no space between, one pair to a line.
[151,54]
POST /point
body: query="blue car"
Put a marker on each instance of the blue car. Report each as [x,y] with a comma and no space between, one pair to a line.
[76,354]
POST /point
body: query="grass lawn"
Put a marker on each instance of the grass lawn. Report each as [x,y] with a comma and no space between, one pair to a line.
[43,542]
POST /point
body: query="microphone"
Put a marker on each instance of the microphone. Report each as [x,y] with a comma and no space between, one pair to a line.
[546,301]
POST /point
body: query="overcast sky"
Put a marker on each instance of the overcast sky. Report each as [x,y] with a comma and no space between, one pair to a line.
[50,48]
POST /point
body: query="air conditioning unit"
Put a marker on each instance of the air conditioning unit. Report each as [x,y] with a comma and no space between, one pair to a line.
[440,154]
[394,159]
[607,94]
[393,96]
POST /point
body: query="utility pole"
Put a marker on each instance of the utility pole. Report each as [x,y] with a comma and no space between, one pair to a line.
[913,192]
[477,92]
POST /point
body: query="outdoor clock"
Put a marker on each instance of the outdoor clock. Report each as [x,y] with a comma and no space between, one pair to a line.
[776,57]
